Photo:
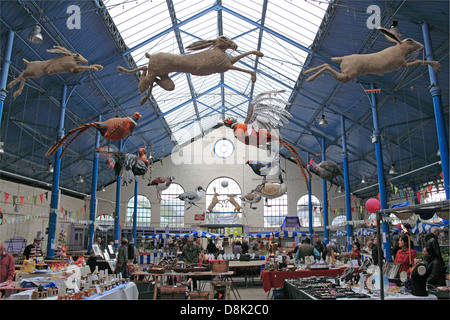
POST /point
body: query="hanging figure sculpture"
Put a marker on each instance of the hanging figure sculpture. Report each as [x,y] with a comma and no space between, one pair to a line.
[204,63]
[379,63]
[68,62]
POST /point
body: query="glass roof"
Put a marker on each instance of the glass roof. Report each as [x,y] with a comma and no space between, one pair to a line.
[199,102]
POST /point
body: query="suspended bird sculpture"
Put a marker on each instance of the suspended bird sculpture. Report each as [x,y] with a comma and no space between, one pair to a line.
[327,170]
[111,129]
[251,198]
[161,184]
[266,168]
[261,118]
[128,166]
[191,197]
[271,190]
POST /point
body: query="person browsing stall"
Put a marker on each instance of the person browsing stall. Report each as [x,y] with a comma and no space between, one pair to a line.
[7,266]
[435,267]
[406,254]
[33,250]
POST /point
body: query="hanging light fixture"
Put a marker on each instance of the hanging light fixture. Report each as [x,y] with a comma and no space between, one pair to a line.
[80,179]
[363,180]
[103,189]
[50,168]
[1,147]
[393,170]
[340,189]
[35,35]
[323,122]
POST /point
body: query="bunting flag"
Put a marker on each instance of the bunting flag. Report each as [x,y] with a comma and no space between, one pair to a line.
[41,196]
[418,197]
[6,197]
[429,189]
[21,200]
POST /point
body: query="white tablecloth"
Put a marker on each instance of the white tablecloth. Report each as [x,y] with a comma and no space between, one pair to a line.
[127,291]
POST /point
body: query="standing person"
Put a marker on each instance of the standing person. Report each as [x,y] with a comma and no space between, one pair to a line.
[197,243]
[33,250]
[406,255]
[190,255]
[237,248]
[306,249]
[435,267]
[244,246]
[355,253]
[431,239]
[122,258]
[375,257]
[211,247]
[7,266]
[320,246]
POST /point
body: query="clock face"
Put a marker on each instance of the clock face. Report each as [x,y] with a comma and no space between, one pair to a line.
[223,148]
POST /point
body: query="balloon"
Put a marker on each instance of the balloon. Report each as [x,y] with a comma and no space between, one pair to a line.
[372,205]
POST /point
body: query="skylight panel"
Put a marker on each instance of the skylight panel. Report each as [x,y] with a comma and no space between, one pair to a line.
[149,20]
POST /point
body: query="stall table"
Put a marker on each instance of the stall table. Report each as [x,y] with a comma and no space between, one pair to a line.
[248,268]
[126,291]
[148,277]
[293,292]
[275,279]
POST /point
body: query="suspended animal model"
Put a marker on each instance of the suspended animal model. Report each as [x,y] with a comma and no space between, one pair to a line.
[204,63]
[271,190]
[267,116]
[191,197]
[161,184]
[127,166]
[237,207]
[379,63]
[266,168]
[251,198]
[215,200]
[69,62]
[111,129]
[327,170]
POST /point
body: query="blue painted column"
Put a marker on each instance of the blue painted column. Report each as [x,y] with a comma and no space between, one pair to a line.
[325,199]
[136,189]
[310,216]
[381,178]
[117,213]
[93,206]
[435,91]
[348,204]
[56,177]
[5,70]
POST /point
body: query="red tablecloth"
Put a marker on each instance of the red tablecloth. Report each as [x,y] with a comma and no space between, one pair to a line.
[275,279]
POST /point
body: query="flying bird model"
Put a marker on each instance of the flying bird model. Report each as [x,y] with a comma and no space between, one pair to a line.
[161,184]
[112,129]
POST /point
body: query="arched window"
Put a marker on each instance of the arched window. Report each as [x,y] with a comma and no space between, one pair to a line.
[303,211]
[339,221]
[223,211]
[172,208]
[275,211]
[144,211]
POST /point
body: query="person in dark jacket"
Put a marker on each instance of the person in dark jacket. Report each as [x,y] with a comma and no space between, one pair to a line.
[431,239]
[244,247]
[435,267]
[320,246]
[374,248]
